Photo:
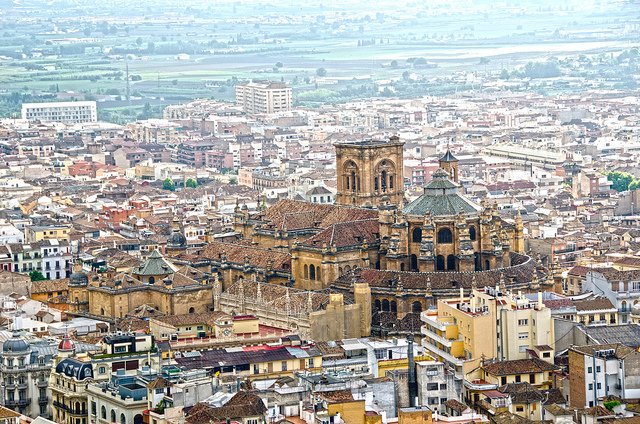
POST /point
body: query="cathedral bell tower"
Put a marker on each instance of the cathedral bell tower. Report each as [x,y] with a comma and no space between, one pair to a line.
[449,163]
[368,170]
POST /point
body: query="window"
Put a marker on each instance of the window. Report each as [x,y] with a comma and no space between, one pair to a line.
[523,348]
[589,370]
[519,408]
[443,386]
[256,369]
[120,349]
[417,235]
[310,363]
[598,368]
[472,233]
[93,408]
[522,322]
[445,236]
[532,378]
[518,379]
[523,336]
[284,365]
[599,386]
[503,380]
[432,386]
[590,386]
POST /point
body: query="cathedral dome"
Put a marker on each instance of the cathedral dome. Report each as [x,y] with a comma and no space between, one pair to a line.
[442,197]
[78,279]
[177,240]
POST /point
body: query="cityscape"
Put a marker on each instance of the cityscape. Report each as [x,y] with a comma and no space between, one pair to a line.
[252,212]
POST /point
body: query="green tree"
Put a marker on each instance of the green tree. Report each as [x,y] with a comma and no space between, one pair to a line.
[168,184]
[634,185]
[321,72]
[233,181]
[36,275]
[620,180]
[394,63]
[191,183]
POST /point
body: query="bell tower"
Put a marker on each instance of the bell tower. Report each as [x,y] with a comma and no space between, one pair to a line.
[368,170]
[449,163]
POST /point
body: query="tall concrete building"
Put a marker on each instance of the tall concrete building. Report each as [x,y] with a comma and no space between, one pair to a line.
[264,97]
[65,112]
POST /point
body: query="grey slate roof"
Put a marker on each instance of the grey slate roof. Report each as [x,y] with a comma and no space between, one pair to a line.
[441,197]
[448,157]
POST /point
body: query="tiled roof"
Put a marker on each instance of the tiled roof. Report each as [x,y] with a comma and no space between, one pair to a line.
[519,366]
[296,215]
[238,254]
[155,264]
[593,304]
[441,197]
[520,273]
[346,234]
[522,392]
[48,286]
[241,405]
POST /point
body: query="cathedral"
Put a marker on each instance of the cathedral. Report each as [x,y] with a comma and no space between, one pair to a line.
[409,254]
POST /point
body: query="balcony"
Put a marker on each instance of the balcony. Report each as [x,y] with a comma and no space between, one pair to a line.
[458,362]
[43,400]
[12,403]
[42,383]
[433,336]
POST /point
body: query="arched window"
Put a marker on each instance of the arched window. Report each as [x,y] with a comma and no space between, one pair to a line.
[192,310]
[306,271]
[472,233]
[393,306]
[414,263]
[378,264]
[123,419]
[624,306]
[417,235]
[383,180]
[113,416]
[377,304]
[487,265]
[102,311]
[312,272]
[402,266]
[439,263]
[103,412]
[445,236]
[416,307]
[385,305]
[347,269]
[451,262]
[353,181]
[152,280]
[318,274]
[137,419]
[78,407]
[340,271]
[476,261]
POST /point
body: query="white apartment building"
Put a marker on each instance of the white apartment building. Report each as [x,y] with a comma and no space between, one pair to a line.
[264,97]
[65,112]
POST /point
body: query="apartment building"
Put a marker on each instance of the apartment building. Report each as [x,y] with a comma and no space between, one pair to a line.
[491,323]
[65,112]
[264,97]
[598,371]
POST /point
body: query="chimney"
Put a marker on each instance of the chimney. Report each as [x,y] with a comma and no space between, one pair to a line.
[540,304]
[413,385]
[461,295]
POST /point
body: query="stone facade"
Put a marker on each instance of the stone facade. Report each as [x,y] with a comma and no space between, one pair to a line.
[369,170]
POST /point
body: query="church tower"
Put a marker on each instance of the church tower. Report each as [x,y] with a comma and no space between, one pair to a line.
[449,163]
[369,170]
